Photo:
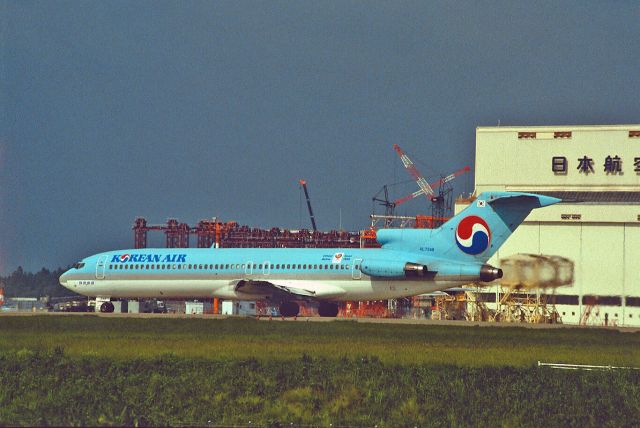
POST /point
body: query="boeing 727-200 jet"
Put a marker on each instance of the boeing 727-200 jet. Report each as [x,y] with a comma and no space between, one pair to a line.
[410,262]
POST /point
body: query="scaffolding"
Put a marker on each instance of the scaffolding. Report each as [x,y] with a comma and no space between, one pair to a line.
[449,307]
[522,294]
[231,235]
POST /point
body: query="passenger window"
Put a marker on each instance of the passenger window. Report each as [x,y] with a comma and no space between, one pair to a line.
[315,266]
[304,266]
[163,266]
[152,267]
[216,267]
[271,266]
[179,266]
[210,267]
[299,267]
[277,266]
[243,266]
[226,266]
[260,266]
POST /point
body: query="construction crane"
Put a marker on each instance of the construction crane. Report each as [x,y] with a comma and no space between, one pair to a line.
[425,188]
[386,203]
[440,203]
[303,183]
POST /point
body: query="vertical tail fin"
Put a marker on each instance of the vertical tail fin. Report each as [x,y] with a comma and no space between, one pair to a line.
[479,230]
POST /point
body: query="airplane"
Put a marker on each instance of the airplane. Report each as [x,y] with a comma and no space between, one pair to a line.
[409,262]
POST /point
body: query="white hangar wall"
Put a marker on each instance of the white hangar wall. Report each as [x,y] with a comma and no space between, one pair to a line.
[595,170]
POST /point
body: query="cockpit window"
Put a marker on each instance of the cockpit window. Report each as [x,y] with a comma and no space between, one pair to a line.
[78,265]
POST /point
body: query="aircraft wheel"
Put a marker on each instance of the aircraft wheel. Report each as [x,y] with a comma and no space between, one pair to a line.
[327,309]
[106,307]
[289,309]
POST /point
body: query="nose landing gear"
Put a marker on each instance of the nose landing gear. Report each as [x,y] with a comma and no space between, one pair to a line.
[106,307]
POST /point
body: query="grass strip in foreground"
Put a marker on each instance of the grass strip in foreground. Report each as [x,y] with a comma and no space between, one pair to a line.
[50,388]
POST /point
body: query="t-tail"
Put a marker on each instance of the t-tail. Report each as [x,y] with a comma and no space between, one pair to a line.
[481,229]
[470,238]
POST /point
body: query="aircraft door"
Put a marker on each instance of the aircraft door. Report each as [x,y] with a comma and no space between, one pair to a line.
[248,270]
[356,273]
[100,266]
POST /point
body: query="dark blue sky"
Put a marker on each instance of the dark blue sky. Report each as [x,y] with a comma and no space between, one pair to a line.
[112,110]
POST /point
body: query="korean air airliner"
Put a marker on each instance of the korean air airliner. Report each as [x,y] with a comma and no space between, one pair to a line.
[410,262]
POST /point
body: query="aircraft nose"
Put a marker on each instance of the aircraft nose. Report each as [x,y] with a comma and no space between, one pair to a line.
[63,279]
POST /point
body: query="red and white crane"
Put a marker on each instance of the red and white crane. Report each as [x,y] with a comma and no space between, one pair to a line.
[425,188]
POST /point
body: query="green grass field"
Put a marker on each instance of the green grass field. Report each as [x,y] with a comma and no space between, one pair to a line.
[89,370]
[220,339]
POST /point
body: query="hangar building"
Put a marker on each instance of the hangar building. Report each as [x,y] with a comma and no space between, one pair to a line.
[595,170]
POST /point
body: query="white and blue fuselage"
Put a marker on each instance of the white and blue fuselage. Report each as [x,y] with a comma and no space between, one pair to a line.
[328,273]
[410,262]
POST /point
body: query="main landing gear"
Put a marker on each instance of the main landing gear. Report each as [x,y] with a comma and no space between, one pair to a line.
[289,309]
[327,309]
[292,309]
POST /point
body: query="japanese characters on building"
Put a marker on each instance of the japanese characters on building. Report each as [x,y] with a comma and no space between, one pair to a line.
[612,165]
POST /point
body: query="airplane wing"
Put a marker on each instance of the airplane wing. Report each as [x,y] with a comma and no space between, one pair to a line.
[288,289]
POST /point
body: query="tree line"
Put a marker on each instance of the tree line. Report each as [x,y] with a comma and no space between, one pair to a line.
[40,284]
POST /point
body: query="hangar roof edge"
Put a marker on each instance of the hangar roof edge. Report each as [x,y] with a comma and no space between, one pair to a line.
[558,128]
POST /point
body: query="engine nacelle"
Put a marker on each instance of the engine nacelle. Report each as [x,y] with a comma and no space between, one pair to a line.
[392,269]
[466,272]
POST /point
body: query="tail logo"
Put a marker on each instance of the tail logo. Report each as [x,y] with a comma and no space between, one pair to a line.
[473,235]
